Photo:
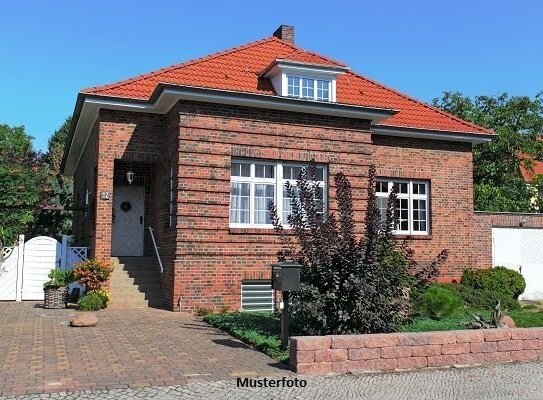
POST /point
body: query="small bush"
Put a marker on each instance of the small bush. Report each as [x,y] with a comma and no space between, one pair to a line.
[92,273]
[104,294]
[203,311]
[437,302]
[482,299]
[498,279]
[91,301]
[58,278]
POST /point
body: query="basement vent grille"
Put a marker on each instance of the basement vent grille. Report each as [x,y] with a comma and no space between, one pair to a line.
[257,296]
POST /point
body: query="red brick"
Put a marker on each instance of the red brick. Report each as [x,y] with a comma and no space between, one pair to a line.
[524,355]
[470,358]
[364,354]
[484,347]
[470,336]
[455,348]
[428,350]
[396,352]
[381,340]
[527,333]
[413,339]
[311,343]
[508,345]
[502,356]
[442,361]
[330,355]
[305,356]
[381,364]
[495,335]
[412,362]
[347,341]
[342,367]
[441,338]
[314,368]
[533,344]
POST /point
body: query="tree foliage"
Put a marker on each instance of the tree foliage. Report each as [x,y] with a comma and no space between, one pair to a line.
[20,182]
[518,123]
[58,189]
[348,285]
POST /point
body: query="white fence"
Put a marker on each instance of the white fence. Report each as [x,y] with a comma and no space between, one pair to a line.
[25,266]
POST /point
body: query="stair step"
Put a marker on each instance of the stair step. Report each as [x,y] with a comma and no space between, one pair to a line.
[135,283]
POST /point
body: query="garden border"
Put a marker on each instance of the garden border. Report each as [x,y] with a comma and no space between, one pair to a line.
[414,350]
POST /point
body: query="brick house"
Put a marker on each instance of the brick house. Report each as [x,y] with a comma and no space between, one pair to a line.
[195,151]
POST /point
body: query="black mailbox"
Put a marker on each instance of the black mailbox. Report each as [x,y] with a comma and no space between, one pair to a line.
[286,276]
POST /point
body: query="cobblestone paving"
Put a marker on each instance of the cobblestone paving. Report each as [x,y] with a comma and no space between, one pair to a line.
[39,352]
[506,381]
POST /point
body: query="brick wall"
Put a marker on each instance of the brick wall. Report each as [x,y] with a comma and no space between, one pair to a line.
[212,259]
[448,168]
[483,222]
[355,353]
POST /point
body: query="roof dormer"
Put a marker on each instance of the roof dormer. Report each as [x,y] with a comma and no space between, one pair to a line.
[302,80]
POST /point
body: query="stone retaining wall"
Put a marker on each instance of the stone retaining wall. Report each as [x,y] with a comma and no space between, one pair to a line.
[357,353]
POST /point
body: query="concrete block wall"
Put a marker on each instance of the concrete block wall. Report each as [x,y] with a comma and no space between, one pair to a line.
[391,351]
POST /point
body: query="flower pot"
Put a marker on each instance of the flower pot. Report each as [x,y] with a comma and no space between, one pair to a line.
[55,297]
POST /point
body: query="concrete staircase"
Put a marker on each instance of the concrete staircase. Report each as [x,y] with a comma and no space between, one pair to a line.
[135,283]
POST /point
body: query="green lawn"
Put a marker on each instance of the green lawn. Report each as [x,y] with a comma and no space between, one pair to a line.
[261,329]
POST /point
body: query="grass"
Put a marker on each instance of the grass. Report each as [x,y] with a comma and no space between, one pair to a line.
[524,318]
[259,329]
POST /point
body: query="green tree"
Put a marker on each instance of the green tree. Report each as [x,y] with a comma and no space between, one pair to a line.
[518,123]
[20,182]
[58,190]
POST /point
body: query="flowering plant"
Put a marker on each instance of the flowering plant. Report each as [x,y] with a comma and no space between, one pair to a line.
[92,273]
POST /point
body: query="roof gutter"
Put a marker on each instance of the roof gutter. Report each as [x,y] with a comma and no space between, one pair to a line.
[165,96]
[474,138]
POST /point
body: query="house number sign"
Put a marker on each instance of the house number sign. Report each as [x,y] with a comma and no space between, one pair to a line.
[104,195]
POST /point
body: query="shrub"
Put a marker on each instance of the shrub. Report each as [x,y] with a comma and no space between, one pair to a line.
[203,311]
[498,279]
[91,301]
[104,294]
[92,273]
[437,302]
[481,299]
[347,285]
[58,278]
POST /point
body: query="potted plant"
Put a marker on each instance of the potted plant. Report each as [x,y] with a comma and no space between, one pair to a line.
[56,289]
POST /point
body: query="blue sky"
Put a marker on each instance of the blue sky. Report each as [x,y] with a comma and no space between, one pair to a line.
[51,49]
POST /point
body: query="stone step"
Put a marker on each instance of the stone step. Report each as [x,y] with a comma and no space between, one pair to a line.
[135,283]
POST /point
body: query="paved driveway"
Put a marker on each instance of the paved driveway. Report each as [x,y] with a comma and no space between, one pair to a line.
[39,352]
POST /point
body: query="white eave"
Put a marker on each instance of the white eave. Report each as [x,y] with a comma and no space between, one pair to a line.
[430,134]
[166,96]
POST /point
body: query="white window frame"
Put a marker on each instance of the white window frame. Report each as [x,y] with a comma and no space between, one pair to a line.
[315,90]
[279,183]
[410,197]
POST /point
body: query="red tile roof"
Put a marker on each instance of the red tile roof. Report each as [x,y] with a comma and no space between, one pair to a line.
[238,69]
[530,174]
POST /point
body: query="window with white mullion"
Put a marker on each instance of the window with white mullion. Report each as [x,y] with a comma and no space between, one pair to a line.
[253,185]
[412,204]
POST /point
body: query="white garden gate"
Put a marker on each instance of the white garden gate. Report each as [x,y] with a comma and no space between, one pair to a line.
[25,266]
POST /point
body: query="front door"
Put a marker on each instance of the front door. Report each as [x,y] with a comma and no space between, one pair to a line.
[128,210]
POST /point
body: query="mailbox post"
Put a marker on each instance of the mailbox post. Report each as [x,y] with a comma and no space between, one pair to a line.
[286,278]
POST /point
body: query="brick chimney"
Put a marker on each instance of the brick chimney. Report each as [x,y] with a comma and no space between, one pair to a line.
[285,33]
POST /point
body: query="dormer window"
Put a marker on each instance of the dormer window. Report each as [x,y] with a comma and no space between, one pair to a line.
[304,81]
[308,88]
